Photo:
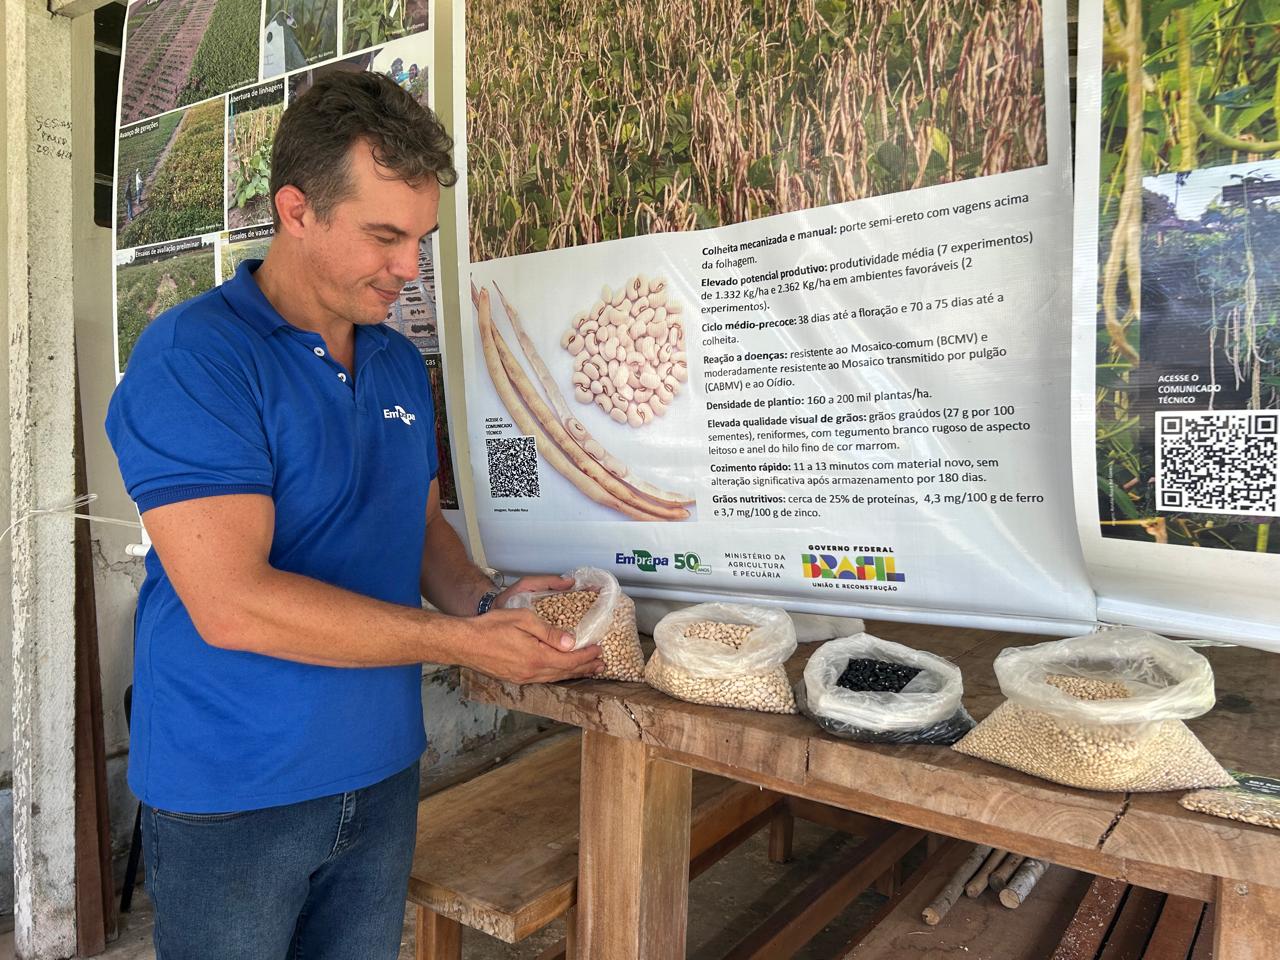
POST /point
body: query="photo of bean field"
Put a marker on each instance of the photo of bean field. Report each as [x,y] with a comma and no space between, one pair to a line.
[147,288]
[367,23]
[179,52]
[176,160]
[590,121]
[1188,310]
[252,120]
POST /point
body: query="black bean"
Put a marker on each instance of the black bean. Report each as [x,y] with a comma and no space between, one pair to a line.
[879,676]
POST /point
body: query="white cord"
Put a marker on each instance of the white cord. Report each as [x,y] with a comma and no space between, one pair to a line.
[69,508]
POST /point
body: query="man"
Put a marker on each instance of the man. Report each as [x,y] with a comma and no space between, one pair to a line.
[278,441]
[137,184]
[128,200]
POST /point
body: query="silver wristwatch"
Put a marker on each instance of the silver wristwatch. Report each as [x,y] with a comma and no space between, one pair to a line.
[486,602]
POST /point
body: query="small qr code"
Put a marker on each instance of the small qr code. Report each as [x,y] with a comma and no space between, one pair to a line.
[1218,462]
[513,466]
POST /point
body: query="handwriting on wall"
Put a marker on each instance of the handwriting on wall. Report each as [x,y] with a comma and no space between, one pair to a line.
[52,137]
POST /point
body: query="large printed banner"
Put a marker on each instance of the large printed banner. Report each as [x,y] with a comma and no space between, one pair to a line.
[771,300]
[1177,314]
[203,86]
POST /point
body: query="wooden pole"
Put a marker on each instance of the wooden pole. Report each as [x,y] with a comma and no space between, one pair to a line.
[980,879]
[1022,882]
[1001,874]
[946,898]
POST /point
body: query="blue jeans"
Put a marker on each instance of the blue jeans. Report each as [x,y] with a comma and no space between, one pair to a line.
[324,879]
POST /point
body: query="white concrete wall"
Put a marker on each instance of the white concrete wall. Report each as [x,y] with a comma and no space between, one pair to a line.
[6,563]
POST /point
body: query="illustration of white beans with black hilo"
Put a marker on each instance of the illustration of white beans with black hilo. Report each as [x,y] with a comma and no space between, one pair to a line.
[628,351]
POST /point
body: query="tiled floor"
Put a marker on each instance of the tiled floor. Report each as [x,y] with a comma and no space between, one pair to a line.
[724,903]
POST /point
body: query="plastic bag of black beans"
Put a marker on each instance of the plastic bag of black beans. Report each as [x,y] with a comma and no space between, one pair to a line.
[1102,712]
[873,690]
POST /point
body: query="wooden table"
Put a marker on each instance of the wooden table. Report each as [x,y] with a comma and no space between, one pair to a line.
[640,745]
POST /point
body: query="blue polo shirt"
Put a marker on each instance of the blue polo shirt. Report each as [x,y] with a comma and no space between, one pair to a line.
[223,396]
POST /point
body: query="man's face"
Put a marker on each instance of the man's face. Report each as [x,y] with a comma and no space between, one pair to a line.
[368,249]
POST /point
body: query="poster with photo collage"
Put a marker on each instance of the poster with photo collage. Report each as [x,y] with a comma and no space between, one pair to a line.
[203,86]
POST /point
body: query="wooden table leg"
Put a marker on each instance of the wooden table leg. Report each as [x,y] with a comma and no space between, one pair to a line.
[781,834]
[633,851]
[439,938]
[1247,922]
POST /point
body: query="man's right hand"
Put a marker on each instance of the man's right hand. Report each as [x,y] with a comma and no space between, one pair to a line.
[521,647]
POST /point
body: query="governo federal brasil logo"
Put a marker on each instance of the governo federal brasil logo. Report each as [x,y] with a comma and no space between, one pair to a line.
[851,563]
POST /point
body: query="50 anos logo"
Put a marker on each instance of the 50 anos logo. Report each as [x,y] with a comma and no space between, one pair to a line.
[646,562]
[691,562]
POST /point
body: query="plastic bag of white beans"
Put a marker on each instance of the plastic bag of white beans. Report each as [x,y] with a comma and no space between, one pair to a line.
[725,655]
[1102,712]
[595,611]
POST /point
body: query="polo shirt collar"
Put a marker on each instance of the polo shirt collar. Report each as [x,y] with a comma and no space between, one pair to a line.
[251,304]
[247,300]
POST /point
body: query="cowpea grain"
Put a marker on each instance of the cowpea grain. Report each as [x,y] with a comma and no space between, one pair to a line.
[767,692]
[730,634]
[619,647]
[639,329]
[1163,755]
[1236,803]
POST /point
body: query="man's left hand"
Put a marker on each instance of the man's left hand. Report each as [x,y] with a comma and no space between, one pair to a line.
[539,584]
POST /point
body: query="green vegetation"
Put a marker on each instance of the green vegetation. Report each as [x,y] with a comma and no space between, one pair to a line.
[1187,84]
[590,121]
[228,53]
[141,152]
[185,197]
[316,27]
[144,291]
[249,165]
[367,23]
[233,254]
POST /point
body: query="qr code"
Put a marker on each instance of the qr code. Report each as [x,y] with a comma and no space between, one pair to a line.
[513,467]
[1218,462]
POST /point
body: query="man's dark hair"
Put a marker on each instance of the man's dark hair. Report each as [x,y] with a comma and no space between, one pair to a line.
[311,150]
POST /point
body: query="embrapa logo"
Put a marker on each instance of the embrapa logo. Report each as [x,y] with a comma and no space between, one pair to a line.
[399,413]
[642,560]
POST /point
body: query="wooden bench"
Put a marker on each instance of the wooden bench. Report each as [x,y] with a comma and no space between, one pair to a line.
[499,853]
[1068,916]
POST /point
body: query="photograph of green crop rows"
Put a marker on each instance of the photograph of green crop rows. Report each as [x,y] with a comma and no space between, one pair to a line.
[250,136]
[182,197]
[138,158]
[590,121]
[179,52]
[145,290]
[1188,87]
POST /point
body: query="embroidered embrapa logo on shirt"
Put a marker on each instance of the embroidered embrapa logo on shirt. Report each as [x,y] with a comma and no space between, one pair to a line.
[399,413]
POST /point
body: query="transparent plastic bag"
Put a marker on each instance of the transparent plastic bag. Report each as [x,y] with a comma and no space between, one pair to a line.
[771,641]
[609,620]
[1165,680]
[1102,712]
[743,669]
[926,710]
